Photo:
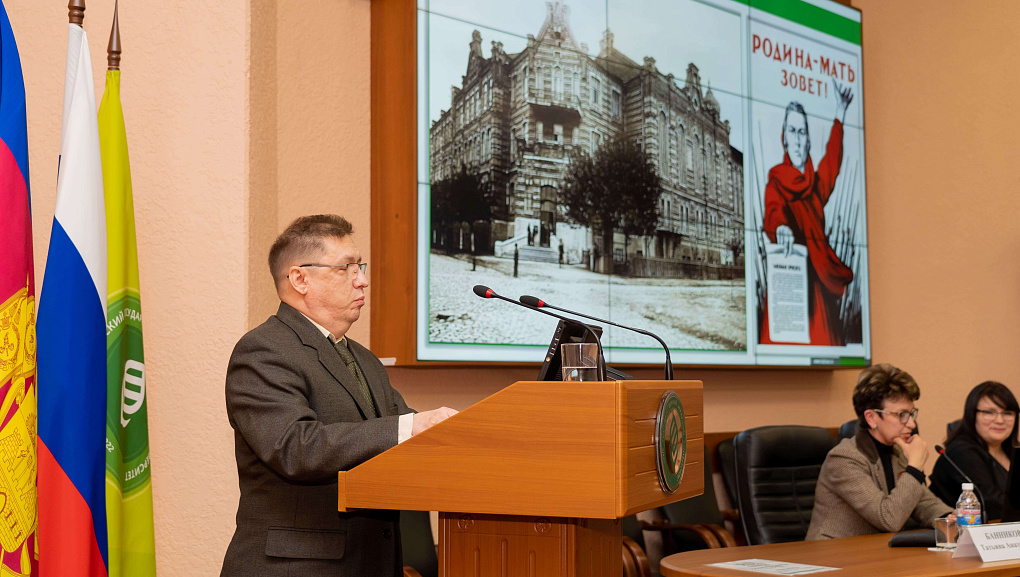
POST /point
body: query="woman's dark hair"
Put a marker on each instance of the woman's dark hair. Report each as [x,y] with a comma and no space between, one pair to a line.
[997,393]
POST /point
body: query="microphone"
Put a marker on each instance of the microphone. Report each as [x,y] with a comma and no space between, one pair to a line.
[942,452]
[538,304]
[487,293]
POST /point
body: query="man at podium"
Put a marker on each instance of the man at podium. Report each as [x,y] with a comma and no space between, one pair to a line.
[306,402]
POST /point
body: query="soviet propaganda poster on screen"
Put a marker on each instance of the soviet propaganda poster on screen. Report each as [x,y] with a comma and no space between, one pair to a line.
[806,186]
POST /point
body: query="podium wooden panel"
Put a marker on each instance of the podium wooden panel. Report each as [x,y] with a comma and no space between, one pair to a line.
[534,479]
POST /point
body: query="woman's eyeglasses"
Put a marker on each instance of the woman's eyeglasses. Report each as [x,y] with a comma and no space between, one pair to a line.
[903,416]
[992,415]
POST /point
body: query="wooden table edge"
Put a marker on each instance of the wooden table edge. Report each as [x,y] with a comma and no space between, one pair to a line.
[868,555]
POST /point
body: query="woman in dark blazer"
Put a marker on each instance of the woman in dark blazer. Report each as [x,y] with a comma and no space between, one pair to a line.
[982,445]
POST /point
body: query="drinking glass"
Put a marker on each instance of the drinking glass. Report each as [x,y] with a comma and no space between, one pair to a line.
[945,533]
[580,361]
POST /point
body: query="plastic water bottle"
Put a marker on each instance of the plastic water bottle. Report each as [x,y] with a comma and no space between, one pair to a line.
[968,508]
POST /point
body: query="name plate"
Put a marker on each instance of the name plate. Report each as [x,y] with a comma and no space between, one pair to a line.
[999,542]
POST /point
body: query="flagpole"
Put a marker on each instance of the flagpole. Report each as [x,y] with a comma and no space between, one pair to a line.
[76,12]
[130,532]
[71,338]
[113,49]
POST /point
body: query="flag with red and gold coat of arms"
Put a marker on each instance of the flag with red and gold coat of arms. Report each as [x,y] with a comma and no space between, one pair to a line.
[18,547]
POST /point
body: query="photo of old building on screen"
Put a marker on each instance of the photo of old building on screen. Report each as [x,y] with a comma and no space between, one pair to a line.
[517,122]
[590,164]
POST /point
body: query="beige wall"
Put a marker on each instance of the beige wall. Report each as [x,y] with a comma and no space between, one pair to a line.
[324,103]
[184,86]
[244,114]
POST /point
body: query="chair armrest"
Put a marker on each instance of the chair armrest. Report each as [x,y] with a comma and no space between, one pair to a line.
[635,562]
[730,515]
[725,537]
[410,572]
[706,534]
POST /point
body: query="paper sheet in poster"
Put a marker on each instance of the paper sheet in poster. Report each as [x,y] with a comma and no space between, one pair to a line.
[786,275]
[773,567]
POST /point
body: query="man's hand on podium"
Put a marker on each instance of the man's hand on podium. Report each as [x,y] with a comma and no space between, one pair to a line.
[426,419]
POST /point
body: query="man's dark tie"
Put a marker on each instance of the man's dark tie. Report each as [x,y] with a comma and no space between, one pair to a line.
[348,357]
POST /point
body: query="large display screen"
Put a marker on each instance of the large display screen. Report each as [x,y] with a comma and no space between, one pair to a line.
[694,168]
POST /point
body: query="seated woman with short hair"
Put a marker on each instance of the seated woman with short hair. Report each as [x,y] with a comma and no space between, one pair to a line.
[873,482]
[982,445]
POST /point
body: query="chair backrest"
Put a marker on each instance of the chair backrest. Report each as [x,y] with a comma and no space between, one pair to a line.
[777,469]
[951,426]
[848,429]
[417,544]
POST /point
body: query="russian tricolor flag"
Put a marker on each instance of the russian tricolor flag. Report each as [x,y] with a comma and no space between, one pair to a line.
[72,343]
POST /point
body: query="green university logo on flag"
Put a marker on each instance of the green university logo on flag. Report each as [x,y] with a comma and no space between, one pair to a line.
[670,442]
[127,431]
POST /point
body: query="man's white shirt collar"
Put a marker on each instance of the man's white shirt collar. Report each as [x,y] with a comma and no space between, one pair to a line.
[325,332]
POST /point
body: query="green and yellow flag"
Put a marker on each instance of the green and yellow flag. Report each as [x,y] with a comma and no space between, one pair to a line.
[132,544]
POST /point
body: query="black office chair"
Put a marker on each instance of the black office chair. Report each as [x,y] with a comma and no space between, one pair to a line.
[950,427]
[776,472]
[418,545]
[848,430]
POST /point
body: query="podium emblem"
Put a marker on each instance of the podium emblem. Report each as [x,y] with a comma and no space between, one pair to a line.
[670,442]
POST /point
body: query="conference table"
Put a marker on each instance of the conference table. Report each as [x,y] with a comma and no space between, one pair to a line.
[867,555]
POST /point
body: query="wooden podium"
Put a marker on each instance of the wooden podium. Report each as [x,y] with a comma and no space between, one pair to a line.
[534,480]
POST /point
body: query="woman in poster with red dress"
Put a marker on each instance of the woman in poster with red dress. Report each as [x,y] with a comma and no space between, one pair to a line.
[795,199]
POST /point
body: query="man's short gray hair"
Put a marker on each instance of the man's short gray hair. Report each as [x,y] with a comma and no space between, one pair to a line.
[303,239]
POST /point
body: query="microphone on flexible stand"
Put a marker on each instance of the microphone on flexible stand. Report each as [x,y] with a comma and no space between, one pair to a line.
[539,304]
[487,293]
[942,452]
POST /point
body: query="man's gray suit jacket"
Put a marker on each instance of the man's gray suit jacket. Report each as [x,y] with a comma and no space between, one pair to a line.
[299,417]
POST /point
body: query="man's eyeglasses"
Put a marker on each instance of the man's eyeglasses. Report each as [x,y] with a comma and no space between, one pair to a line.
[363,266]
[991,415]
[903,416]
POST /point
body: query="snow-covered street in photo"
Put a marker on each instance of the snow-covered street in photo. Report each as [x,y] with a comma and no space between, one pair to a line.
[687,314]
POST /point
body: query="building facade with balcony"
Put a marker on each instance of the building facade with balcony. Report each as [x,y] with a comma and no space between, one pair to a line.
[517,119]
